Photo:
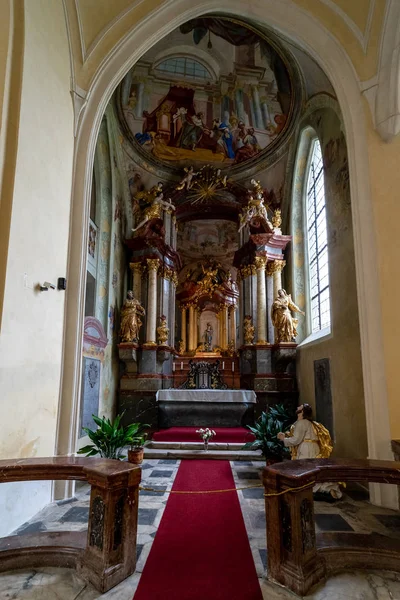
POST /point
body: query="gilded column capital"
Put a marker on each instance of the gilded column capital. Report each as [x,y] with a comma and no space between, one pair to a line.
[247,271]
[170,274]
[275,266]
[260,262]
[136,267]
[152,264]
[231,308]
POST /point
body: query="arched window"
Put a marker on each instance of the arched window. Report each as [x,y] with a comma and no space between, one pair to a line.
[318,264]
[184,67]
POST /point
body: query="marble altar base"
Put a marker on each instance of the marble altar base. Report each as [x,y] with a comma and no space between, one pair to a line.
[205,408]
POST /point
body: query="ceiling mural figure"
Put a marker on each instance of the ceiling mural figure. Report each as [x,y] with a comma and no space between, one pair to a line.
[190,103]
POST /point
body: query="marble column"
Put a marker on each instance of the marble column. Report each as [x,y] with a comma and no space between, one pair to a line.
[195,328]
[191,327]
[224,327]
[257,107]
[232,324]
[173,284]
[174,232]
[265,111]
[167,219]
[137,271]
[152,268]
[260,263]
[277,269]
[239,105]
[139,104]
[241,309]
[183,328]
[270,299]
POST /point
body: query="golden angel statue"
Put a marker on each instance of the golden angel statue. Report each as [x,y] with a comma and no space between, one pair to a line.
[285,325]
[155,209]
[131,312]
[210,280]
[187,180]
[248,330]
[309,439]
[162,331]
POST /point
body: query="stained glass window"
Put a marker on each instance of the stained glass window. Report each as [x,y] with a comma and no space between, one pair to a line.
[184,67]
[317,243]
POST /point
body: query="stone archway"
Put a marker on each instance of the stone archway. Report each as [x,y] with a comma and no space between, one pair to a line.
[305,30]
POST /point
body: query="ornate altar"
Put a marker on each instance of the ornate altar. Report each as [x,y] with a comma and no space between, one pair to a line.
[204,376]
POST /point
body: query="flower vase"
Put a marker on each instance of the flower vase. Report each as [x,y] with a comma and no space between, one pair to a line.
[205,445]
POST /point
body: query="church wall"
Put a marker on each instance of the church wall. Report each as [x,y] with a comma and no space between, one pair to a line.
[384,160]
[342,345]
[32,325]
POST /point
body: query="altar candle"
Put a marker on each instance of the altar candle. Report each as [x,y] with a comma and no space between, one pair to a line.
[233,367]
[223,365]
[173,366]
[181,366]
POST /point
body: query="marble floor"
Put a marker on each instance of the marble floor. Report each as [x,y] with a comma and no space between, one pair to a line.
[352,513]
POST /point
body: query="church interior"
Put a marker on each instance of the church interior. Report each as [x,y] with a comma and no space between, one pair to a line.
[196,251]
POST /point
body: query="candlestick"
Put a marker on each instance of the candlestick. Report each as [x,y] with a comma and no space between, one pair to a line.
[173,366]
[181,366]
[233,367]
[223,365]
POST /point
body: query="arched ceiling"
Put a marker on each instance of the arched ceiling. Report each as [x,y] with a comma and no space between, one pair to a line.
[97,26]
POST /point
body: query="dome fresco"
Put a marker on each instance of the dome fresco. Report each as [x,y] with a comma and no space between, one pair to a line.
[213,92]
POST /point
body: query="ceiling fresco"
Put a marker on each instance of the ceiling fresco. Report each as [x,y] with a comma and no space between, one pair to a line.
[201,240]
[213,92]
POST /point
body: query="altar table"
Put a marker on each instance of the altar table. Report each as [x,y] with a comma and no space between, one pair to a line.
[207,408]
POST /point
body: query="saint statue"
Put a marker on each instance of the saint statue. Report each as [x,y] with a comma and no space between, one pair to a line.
[309,439]
[162,331]
[130,319]
[255,208]
[155,209]
[248,330]
[282,320]
[208,335]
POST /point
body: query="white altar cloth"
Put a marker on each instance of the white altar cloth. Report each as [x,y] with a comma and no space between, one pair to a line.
[248,396]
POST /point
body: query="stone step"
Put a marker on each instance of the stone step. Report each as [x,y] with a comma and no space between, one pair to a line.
[196,450]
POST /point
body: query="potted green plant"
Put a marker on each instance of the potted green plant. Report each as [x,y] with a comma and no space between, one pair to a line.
[110,438]
[136,451]
[266,428]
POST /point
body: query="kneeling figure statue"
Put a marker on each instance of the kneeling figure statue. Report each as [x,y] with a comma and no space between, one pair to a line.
[309,439]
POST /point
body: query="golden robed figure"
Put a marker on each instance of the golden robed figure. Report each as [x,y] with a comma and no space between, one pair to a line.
[130,319]
[309,439]
[282,320]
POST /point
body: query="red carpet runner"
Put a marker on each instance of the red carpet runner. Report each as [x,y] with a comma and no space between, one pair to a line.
[201,550]
[233,435]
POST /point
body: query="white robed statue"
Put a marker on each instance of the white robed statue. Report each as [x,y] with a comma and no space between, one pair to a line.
[309,439]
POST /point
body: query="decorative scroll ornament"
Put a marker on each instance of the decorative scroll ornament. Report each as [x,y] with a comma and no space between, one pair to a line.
[246,271]
[170,274]
[131,323]
[162,331]
[248,330]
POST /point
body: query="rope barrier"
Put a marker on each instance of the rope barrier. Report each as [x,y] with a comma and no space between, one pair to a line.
[246,487]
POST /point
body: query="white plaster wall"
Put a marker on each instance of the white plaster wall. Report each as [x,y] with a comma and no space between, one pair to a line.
[32,330]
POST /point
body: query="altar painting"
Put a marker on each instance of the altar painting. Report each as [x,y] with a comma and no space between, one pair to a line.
[212,92]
